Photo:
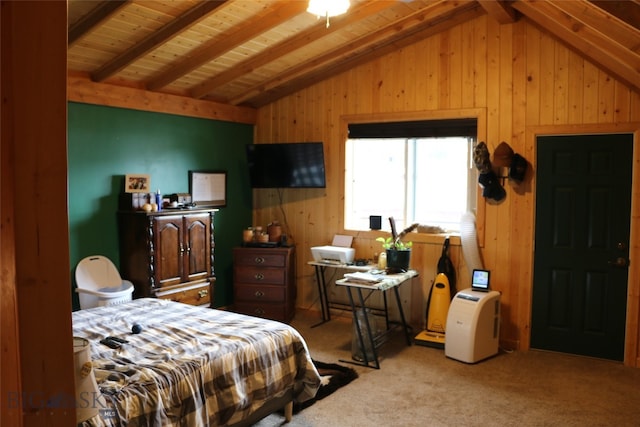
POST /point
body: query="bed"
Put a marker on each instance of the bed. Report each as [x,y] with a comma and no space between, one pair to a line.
[193,366]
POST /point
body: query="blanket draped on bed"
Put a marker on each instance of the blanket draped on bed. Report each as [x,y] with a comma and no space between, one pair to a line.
[191,366]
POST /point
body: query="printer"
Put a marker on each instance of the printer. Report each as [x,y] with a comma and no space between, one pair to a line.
[339,252]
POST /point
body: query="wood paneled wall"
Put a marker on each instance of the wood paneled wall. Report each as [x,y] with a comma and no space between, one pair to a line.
[522,80]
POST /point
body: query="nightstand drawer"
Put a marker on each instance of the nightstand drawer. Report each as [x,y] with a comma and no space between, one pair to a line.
[270,276]
[270,311]
[255,293]
[260,259]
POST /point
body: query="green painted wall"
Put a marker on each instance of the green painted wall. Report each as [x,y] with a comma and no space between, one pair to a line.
[106,143]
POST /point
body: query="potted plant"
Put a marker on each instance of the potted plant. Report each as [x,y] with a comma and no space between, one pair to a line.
[398,252]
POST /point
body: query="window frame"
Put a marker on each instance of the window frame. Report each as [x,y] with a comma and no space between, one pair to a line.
[475,113]
[415,190]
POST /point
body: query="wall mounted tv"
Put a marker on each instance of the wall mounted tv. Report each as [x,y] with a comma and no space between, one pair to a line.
[286,165]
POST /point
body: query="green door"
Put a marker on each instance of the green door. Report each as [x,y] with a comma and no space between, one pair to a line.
[583,211]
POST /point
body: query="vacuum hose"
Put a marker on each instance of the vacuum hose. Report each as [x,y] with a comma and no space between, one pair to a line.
[469,239]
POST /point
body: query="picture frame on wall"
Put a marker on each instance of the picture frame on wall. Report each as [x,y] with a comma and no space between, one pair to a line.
[137,183]
[208,188]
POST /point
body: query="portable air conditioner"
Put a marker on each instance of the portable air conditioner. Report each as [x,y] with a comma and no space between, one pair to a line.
[473,326]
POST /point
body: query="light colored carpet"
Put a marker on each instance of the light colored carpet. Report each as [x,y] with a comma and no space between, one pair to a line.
[419,386]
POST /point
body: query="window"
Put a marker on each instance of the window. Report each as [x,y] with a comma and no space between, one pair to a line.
[425,176]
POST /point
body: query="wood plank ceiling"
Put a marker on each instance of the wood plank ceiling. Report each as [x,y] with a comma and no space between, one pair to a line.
[252,52]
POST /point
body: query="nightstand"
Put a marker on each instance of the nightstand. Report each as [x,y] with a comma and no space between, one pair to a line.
[264,282]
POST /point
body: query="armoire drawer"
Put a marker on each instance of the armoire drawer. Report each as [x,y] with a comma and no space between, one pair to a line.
[199,294]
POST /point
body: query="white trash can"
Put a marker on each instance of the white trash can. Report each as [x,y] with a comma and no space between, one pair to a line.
[89,401]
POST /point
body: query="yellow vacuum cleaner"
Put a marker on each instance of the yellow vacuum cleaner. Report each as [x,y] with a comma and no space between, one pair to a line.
[440,296]
[437,311]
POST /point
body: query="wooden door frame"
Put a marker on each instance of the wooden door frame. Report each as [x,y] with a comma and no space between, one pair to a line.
[632,330]
[37,362]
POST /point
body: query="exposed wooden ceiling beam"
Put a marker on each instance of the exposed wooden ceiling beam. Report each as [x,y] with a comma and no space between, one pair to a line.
[627,11]
[93,18]
[609,25]
[272,17]
[173,28]
[424,23]
[499,10]
[358,12]
[80,88]
[623,64]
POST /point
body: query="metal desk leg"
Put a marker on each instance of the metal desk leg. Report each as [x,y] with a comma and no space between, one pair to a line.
[322,291]
[386,310]
[404,322]
[369,333]
[359,332]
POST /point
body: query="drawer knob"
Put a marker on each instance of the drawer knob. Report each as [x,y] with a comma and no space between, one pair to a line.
[259,311]
[203,293]
[259,276]
[259,294]
[259,260]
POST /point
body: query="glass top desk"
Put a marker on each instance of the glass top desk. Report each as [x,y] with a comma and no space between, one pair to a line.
[370,283]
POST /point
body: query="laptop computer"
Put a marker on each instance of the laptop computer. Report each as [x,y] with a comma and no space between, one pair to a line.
[480,280]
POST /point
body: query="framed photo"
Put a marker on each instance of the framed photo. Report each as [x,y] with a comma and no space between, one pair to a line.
[137,183]
[208,188]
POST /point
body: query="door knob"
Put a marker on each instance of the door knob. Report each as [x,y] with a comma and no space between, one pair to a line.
[619,262]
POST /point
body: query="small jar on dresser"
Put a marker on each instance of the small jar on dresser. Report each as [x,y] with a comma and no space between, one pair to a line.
[264,282]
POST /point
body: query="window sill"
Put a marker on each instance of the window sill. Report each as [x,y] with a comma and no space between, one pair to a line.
[426,238]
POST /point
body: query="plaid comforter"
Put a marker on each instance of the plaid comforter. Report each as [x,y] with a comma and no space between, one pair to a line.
[191,366]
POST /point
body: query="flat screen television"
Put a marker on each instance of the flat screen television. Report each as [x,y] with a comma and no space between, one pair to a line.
[286,165]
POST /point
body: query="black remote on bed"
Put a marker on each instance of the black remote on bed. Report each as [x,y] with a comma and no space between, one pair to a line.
[110,343]
[118,339]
